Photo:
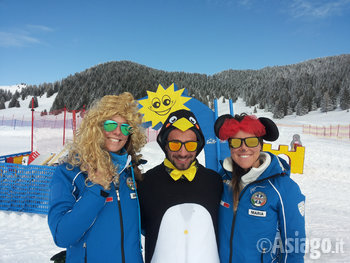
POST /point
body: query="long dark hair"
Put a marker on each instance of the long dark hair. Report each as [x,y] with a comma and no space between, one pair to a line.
[237,171]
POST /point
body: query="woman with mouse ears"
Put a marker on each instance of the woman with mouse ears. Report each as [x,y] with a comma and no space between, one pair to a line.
[261,216]
[93,204]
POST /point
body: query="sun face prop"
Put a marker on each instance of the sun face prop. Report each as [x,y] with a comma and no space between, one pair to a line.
[157,107]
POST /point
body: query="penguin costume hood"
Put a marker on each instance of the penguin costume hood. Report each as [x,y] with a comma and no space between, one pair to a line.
[180,208]
[183,120]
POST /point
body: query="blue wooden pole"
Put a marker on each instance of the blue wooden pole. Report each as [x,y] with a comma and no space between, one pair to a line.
[217,139]
[231,107]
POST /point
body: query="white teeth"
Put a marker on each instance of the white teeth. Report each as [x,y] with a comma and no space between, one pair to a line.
[115,140]
[244,156]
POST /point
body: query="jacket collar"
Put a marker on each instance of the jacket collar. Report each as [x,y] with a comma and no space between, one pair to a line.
[271,164]
[121,161]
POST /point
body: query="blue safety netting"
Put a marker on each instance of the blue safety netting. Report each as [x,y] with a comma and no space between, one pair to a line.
[25,188]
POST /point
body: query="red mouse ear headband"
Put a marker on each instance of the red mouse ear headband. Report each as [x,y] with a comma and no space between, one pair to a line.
[226,126]
[249,124]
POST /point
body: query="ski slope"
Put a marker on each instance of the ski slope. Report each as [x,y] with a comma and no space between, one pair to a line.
[26,237]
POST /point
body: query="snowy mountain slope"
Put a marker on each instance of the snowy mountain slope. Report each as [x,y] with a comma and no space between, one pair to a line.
[325,182]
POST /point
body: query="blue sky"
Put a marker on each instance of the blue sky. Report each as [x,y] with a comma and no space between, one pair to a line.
[48,40]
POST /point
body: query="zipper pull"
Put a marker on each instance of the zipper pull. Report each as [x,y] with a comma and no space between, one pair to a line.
[117,191]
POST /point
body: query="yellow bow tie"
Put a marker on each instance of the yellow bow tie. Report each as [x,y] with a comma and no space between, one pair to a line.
[176,174]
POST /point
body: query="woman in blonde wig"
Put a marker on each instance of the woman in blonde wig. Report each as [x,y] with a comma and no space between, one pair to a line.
[93,206]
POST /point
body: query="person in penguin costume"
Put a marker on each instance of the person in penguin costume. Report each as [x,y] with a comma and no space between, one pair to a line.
[261,216]
[180,198]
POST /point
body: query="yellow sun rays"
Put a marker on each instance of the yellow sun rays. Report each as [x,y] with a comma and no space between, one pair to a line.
[157,107]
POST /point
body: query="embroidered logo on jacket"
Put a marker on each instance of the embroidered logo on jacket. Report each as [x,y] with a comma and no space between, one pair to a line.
[130,183]
[258,199]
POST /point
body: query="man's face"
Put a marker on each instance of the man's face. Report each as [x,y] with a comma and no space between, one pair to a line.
[181,159]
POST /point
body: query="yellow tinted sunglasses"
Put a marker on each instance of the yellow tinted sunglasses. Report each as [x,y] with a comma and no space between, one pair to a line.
[251,142]
[175,146]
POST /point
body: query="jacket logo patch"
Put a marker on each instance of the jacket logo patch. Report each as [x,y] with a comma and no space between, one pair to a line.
[258,199]
[224,204]
[109,199]
[258,213]
[133,195]
[130,183]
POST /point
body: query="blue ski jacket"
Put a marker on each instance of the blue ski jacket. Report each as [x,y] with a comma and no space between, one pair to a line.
[269,223]
[94,224]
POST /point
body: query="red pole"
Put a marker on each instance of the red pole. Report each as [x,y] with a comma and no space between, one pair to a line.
[31,148]
[64,124]
[74,122]
[83,111]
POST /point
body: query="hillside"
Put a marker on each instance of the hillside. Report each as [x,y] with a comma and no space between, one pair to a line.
[300,88]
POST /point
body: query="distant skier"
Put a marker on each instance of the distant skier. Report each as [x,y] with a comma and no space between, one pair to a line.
[295,142]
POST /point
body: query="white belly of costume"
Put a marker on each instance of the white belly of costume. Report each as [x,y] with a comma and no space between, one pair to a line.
[186,235]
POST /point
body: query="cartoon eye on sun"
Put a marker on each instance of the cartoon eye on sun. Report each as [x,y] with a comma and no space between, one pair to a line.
[161,107]
[157,107]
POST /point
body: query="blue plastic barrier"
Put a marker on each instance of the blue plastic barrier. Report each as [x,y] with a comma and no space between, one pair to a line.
[25,188]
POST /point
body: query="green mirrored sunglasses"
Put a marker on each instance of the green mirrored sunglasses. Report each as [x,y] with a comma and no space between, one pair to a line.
[110,125]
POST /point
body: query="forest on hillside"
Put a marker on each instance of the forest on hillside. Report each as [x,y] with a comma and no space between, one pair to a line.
[318,83]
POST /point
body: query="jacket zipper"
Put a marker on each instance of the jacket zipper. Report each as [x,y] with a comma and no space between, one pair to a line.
[121,225]
[232,230]
[262,255]
[85,248]
[235,213]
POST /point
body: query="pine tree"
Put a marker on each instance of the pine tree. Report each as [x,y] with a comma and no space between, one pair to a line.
[327,103]
[13,103]
[344,98]
[35,102]
[278,111]
[252,100]
[302,106]
[2,103]
[50,92]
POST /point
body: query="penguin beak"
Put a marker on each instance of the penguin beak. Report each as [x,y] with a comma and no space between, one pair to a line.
[183,124]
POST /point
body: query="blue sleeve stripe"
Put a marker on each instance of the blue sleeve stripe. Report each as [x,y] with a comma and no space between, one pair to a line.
[73,184]
[284,220]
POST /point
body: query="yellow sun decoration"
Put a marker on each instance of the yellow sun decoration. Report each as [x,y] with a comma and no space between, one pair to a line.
[160,104]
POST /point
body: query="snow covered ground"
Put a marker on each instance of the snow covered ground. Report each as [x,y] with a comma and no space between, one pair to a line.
[26,238]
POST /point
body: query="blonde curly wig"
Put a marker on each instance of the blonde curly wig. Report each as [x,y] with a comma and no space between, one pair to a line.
[87,149]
